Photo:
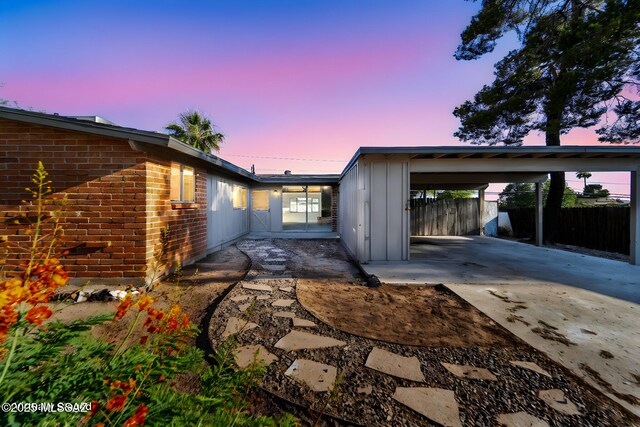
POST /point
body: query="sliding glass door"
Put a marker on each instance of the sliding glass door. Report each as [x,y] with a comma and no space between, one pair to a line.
[306,208]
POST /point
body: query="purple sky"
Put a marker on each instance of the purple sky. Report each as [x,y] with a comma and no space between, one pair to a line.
[283,80]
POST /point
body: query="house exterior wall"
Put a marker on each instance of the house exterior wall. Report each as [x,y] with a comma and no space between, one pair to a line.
[348,224]
[224,222]
[186,240]
[104,217]
[388,192]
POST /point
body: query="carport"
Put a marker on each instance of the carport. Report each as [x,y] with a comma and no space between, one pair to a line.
[375,187]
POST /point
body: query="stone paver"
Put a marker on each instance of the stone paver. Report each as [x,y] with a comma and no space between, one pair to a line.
[239,298]
[245,307]
[299,340]
[557,400]
[530,366]
[263,297]
[394,364]
[246,354]
[287,314]
[302,323]
[283,303]
[437,404]
[317,376]
[236,325]
[286,288]
[257,286]
[520,419]
[468,371]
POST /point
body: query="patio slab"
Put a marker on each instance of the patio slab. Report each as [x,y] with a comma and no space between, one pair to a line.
[395,365]
[298,340]
[470,372]
[317,376]
[245,355]
[520,419]
[575,308]
[437,404]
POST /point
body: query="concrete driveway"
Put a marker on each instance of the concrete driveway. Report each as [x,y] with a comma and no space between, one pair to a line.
[582,311]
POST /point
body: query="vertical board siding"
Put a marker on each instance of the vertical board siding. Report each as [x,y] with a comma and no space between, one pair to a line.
[224,222]
[348,212]
[388,191]
[378,211]
[395,211]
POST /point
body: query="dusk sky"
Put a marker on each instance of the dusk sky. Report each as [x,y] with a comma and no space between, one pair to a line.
[281,79]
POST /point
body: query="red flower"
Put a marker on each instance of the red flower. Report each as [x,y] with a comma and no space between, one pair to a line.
[37,315]
[94,408]
[144,302]
[124,307]
[138,418]
[143,340]
[116,403]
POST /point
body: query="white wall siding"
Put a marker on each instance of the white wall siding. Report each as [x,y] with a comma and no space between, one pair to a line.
[224,223]
[348,210]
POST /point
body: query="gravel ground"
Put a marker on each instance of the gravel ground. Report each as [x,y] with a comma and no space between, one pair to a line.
[480,401]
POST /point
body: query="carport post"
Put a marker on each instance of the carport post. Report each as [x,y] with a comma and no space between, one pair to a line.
[634,250]
[538,214]
[481,211]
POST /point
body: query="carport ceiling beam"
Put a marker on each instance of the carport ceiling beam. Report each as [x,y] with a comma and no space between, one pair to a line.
[523,165]
[475,178]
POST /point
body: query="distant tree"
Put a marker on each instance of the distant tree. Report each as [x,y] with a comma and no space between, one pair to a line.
[517,195]
[576,61]
[196,130]
[522,195]
[595,190]
[455,194]
[585,176]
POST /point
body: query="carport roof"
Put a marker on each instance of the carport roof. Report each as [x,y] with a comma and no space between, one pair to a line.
[476,152]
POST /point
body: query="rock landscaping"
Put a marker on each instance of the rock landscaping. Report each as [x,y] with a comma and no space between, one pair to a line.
[367,381]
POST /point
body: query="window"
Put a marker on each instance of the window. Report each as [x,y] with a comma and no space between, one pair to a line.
[260,200]
[239,197]
[183,183]
[303,204]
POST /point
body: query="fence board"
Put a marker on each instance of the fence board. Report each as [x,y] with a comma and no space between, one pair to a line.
[606,228]
[449,217]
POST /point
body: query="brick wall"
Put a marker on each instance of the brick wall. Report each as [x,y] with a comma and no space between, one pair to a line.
[187,236]
[104,179]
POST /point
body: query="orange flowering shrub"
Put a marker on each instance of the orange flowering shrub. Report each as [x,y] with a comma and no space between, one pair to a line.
[128,385]
[36,280]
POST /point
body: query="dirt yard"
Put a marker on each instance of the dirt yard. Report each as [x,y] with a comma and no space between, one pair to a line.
[426,316]
[195,289]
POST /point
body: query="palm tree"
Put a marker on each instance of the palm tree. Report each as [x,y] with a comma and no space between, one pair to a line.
[196,130]
[585,176]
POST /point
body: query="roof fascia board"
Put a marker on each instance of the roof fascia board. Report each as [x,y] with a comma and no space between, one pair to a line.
[536,165]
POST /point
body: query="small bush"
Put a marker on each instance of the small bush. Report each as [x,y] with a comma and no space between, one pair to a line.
[128,384]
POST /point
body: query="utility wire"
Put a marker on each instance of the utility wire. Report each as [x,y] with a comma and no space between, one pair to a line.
[286,158]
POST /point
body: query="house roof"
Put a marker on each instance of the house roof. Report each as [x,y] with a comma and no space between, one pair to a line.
[299,179]
[155,142]
[139,139]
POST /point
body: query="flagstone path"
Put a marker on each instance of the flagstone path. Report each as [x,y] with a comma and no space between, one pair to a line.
[379,383]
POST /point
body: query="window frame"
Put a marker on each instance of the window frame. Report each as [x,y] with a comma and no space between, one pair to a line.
[181,197]
[242,193]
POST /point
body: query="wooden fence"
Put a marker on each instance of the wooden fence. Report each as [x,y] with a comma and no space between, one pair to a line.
[449,217]
[605,228]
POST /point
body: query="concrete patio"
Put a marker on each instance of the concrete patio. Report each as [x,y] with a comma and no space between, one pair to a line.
[580,310]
